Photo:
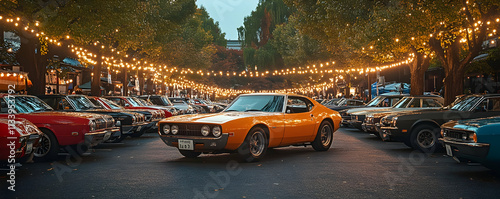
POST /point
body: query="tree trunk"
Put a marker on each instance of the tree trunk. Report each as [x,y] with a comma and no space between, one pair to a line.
[33,64]
[369,85]
[418,67]
[96,79]
[125,81]
[2,35]
[453,85]
[140,75]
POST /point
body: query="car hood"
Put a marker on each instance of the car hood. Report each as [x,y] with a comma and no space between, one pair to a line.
[65,114]
[364,111]
[472,124]
[381,113]
[218,118]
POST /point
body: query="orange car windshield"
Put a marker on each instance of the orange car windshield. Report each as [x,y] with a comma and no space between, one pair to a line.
[264,103]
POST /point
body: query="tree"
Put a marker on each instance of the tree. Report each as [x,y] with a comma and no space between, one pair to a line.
[296,48]
[257,32]
[140,26]
[212,27]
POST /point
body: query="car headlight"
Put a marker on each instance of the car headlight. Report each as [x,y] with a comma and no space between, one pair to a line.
[92,125]
[205,130]
[166,129]
[174,129]
[394,120]
[216,131]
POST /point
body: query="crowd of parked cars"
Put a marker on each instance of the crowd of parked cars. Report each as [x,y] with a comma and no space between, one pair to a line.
[466,129]
[45,125]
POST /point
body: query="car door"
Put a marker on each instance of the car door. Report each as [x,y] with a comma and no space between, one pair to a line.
[299,120]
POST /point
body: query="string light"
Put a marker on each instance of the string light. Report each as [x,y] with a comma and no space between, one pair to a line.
[308,70]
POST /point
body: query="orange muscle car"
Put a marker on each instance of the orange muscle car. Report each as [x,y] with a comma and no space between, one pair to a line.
[251,124]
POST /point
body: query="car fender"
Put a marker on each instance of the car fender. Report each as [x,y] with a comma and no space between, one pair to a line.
[421,121]
[238,130]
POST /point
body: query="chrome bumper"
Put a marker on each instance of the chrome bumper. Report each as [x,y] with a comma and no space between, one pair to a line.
[201,144]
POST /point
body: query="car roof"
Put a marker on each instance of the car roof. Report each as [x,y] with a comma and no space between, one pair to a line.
[426,96]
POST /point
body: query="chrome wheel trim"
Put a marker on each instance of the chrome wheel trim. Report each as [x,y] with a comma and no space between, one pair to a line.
[426,138]
[326,135]
[257,143]
[44,147]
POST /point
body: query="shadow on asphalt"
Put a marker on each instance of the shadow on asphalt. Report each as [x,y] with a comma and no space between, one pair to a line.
[274,154]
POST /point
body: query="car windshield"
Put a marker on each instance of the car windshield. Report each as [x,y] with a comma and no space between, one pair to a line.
[168,102]
[96,103]
[333,101]
[340,102]
[375,101]
[177,100]
[403,103]
[111,104]
[134,101]
[158,101]
[265,103]
[81,102]
[466,104]
[27,104]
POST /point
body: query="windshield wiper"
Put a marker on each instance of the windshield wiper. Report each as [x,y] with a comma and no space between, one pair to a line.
[230,110]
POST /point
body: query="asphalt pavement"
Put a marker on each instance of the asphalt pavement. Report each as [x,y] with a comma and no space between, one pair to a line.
[358,165]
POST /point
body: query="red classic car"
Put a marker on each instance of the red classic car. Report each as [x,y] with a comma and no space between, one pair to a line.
[78,131]
[19,138]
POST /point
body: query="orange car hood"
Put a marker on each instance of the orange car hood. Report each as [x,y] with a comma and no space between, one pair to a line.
[218,118]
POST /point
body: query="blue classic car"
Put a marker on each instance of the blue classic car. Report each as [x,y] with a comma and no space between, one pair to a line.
[476,140]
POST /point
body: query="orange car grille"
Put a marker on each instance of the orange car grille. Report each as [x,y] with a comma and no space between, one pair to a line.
[190,129]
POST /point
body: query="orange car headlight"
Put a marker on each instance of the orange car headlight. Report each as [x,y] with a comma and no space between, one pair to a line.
[216,131]
[166,129]
[205,130]
[174,129]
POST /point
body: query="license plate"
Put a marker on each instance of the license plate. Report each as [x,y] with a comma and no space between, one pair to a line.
[448,151]
[29,148]
[186,144]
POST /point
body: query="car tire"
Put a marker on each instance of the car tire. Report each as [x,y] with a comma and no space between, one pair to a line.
[254,146]
[117,139]
[425,138]
[190,154]
[324,137]
[49,147]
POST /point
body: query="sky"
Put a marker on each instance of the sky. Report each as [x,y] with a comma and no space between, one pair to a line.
[229,13]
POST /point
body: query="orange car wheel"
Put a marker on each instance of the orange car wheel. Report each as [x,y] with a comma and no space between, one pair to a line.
[255,145]
[324,138]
